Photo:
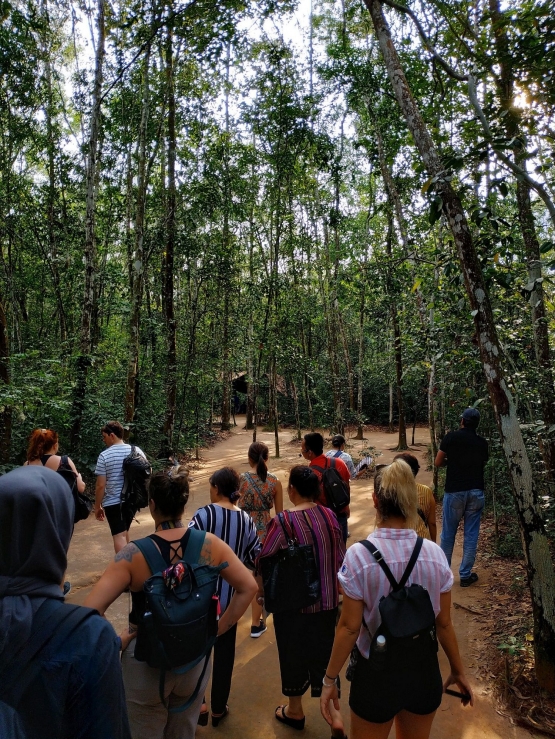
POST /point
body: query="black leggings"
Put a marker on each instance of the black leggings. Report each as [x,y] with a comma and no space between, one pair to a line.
[222,669]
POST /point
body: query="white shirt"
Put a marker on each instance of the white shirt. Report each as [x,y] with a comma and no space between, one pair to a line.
[344,457]
[362,578]
[110,464]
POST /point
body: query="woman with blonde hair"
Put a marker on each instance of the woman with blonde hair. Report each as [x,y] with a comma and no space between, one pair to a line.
[396,685]
[260,491]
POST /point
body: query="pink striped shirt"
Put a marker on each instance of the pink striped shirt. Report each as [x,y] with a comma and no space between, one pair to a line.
[362,578]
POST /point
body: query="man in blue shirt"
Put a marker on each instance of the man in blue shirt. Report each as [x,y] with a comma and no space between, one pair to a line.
[465,454]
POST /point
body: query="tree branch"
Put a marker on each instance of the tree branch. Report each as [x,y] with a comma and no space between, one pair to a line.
[507,161]
[427,43]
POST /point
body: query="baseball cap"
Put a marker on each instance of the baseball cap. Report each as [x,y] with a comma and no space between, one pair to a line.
[471,414]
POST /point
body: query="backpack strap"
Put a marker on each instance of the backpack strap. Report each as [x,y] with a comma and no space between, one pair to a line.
[151,553]
[412,561]
[190,554]
[53,622]
[289,538]
[64,461]
[193,548]
[337,454]
[381,561]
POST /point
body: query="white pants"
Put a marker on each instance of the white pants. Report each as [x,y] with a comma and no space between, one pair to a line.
[148,718]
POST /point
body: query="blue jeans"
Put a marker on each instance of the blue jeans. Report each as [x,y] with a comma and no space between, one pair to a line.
[469,504]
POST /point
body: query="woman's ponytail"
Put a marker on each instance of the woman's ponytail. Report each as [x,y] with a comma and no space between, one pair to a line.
[258,453]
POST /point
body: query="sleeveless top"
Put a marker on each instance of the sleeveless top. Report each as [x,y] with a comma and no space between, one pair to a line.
[257,499]
[138,598]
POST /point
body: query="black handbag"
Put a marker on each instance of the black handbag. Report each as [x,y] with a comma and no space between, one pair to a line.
[291,577]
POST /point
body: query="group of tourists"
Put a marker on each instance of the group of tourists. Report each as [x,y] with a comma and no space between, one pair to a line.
[382,606]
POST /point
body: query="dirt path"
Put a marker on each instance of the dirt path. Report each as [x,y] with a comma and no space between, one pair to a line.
[256,685]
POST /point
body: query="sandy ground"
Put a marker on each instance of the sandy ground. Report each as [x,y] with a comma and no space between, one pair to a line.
[256,686]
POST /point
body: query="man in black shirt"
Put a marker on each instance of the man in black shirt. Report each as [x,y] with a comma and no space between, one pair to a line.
[465,454]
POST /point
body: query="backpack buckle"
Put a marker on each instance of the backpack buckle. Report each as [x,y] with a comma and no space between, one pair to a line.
[377,556]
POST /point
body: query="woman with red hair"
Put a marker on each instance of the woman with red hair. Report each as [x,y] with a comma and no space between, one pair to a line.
[43,450]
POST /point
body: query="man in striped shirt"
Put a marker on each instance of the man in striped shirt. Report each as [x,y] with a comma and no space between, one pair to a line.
[109,484]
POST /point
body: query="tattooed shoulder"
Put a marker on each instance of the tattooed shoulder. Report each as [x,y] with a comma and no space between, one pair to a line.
[206,552]
[127,552]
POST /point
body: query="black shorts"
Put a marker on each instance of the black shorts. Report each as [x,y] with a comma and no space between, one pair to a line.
[378,696]
[304,642]
[119,518]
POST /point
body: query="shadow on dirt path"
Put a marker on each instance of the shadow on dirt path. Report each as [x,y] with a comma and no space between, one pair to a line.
[256,689]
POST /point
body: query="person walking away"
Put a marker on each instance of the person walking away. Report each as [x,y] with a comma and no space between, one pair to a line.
[260,491]
[426,525]
[109,484]
[70,685]
[304,637]
[465,453]
[402,682]
[224,519]
[312,449]
[43,450]
[338,452]
[149,715]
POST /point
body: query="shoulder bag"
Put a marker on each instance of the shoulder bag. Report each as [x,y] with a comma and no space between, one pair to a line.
[291,577]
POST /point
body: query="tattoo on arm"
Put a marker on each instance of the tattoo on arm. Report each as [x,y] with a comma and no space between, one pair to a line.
[206,553]
[127,552]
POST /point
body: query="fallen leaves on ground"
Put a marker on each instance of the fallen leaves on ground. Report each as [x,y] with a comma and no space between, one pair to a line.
[504,645]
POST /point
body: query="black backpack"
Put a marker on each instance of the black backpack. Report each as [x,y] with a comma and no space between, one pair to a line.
[334,487]
[83,504]
[408,618]
[180,623]
[136,473]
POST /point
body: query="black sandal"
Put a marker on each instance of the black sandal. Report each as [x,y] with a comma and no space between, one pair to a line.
[216,719]
[294,723]
[203,718]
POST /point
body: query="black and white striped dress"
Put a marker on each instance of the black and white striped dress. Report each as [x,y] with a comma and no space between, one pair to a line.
[237,530]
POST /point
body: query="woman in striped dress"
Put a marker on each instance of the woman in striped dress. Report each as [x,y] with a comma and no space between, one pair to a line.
[305,637]
[229,523]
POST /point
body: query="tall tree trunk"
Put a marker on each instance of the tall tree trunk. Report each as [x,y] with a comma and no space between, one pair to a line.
[296,405]
[51,146]
[226,368]
[168,256]
[360,379]
[139,256]
[397,344]
[539,566]
[512,122]
[273,381]
[391,427]
[6,411]
[226,283]
[89,252]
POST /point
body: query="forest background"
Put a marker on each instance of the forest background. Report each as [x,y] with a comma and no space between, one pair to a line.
[342,209]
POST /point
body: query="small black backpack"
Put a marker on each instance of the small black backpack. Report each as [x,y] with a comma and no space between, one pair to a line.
[83,504]
[334,487]
[408,618]
[136,473]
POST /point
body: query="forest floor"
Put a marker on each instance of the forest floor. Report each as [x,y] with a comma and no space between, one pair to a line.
[477,610]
